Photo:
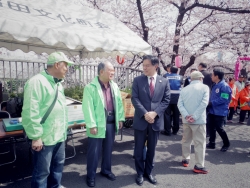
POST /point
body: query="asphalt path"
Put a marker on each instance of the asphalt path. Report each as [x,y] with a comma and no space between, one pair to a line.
[226,169]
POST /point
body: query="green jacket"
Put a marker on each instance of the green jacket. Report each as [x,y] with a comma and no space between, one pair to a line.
[39,93]
[94,109]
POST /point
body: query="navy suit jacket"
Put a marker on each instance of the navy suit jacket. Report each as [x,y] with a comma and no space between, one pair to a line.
[143,103]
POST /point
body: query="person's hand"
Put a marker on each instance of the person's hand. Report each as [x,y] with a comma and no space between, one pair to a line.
[120,124]
[93,131]
[37,145]
[150,117]
[152,114]
[189,119]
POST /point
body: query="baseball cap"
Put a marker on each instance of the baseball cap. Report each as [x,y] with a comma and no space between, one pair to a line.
[56,57]
[196,74]
[241,76]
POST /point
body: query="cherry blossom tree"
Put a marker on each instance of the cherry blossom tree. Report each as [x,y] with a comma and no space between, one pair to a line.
[190,28]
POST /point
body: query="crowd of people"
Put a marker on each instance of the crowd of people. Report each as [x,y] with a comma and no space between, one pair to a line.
[158,100]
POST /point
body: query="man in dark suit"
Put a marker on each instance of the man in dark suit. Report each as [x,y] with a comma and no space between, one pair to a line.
[150,97]
[207,76]
[207,80]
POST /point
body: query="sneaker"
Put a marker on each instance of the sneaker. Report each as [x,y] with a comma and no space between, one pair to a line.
[241,122]
[200,170]
[230,121]
[185,163]
[210,146]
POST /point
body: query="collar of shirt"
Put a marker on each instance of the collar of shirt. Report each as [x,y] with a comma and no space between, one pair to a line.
[102,84]
[149,80]
[55,79]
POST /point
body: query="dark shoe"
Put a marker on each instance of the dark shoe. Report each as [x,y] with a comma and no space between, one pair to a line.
[110,176]
[90,182]
[139,180]
[174,133]
[150,178]
[200,170]
[210,146]
[165,133]
[185,163]
[224,148]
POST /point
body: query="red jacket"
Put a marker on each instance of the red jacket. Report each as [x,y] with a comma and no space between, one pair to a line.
[244,99]
[235,96]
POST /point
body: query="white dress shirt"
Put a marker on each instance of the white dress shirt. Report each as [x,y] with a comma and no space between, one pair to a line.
[149,80]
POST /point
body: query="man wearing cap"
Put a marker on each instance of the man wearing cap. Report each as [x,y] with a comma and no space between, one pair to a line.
[240,83]
[192,105]
[45,121]
[104,116]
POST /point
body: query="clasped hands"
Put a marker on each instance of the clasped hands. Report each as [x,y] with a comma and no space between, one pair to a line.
[190,119]
[150,116]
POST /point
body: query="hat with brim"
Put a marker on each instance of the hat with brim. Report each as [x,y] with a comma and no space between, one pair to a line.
[196,75]
[56,57]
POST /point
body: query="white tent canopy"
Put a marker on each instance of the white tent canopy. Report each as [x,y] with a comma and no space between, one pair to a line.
[68,26]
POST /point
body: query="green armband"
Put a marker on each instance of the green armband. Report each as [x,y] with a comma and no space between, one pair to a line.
[224,95]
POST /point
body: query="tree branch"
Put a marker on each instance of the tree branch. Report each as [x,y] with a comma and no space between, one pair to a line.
[171,2]
[229,10]
[144,27]
[199,23]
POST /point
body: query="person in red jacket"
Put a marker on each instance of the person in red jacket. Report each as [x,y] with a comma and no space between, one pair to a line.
[244,102]
[234,101]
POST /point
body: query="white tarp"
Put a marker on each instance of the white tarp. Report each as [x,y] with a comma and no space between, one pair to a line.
[50,25]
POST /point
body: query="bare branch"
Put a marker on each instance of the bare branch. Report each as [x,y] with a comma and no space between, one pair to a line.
[199,23]
[229,10]
[171,2]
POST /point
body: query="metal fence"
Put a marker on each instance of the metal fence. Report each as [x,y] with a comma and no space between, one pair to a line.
[13,75]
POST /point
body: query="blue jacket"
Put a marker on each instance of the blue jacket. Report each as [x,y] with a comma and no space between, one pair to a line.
[175,82]
[220,99]
[193,101]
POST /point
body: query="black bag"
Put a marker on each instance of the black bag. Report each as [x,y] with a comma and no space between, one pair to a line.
[14,106]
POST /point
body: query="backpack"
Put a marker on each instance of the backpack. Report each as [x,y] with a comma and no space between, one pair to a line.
[14,106]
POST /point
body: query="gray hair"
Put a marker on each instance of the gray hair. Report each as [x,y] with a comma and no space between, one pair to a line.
[52,65]
[101,66]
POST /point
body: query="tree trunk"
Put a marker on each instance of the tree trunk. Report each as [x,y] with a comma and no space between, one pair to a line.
[178,32]
[190,63]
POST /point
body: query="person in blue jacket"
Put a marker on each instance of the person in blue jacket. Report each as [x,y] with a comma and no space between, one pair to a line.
[172,112]
[218,109]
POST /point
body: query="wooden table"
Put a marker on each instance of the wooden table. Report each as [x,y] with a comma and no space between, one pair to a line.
[4,135]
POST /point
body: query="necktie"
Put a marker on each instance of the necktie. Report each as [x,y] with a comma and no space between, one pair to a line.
[151,86]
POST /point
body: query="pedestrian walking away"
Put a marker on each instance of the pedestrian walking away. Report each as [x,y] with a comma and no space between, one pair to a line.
[192,104]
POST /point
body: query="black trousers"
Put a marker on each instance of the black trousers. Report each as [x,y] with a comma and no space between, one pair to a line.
[231,113]
[243,115]
[216,123]
[141,137]
[95,146]
[172,113]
